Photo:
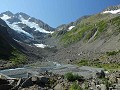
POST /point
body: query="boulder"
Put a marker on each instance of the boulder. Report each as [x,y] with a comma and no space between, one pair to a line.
[20,81]
[43,79]
[5,87]
[28,82]
[11,82]
[103,87]
[35,79]
[2,76]
[58,87]
[118,80]
[3,81]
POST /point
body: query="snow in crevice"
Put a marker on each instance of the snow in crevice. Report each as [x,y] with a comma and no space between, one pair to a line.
[40,45]
[5,17]
[33,25]
[93,36]
[112,11]
[70,28]
[15,27]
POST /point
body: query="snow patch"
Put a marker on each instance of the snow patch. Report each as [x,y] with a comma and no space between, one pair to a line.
[112,11]
[5,17]
[56,64]
[14,26]
[70,28]
[40,45]
[33,25]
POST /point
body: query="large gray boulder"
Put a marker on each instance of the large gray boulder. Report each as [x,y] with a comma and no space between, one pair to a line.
[28,82]
[58,87]
[43,79]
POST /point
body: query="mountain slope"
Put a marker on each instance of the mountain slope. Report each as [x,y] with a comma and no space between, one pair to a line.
[90,39]
[11,53]
[14,53]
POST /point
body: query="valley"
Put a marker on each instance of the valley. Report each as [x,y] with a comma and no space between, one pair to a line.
[88,48]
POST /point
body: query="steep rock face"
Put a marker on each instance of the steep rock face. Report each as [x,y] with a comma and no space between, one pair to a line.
[7,44]
[25,28]
[72,24]
[5,47]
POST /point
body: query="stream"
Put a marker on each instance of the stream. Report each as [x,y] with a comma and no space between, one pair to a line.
[53,67]
[28,69]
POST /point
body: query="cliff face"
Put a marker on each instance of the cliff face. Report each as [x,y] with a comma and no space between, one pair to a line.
[5,47]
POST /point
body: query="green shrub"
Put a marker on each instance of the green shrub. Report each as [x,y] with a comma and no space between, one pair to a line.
[112,53]
[72,77]
[69,76]
[83,62]
[75,86]
[116,21]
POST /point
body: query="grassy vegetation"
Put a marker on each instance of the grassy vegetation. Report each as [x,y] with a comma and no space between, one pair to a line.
[76,34]
[112,53]
[17,58]
[87,28]
[75,86]
[116,21]
[98,63]
[83,30]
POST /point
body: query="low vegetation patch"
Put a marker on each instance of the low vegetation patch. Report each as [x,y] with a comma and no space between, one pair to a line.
[98,64]
[76,34]
[72,77]
[18,58]
[87,28]
[75,86]
[112,53]
[83,31]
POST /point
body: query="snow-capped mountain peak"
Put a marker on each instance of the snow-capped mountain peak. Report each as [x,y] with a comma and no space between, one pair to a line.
[33,25]
[112,10]
[5,17]
[27,25]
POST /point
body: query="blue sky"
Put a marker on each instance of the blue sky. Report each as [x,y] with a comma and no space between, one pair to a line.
[56,12]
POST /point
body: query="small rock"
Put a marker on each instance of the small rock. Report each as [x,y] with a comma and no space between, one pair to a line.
[59,78]
[103,87]
[34,78]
